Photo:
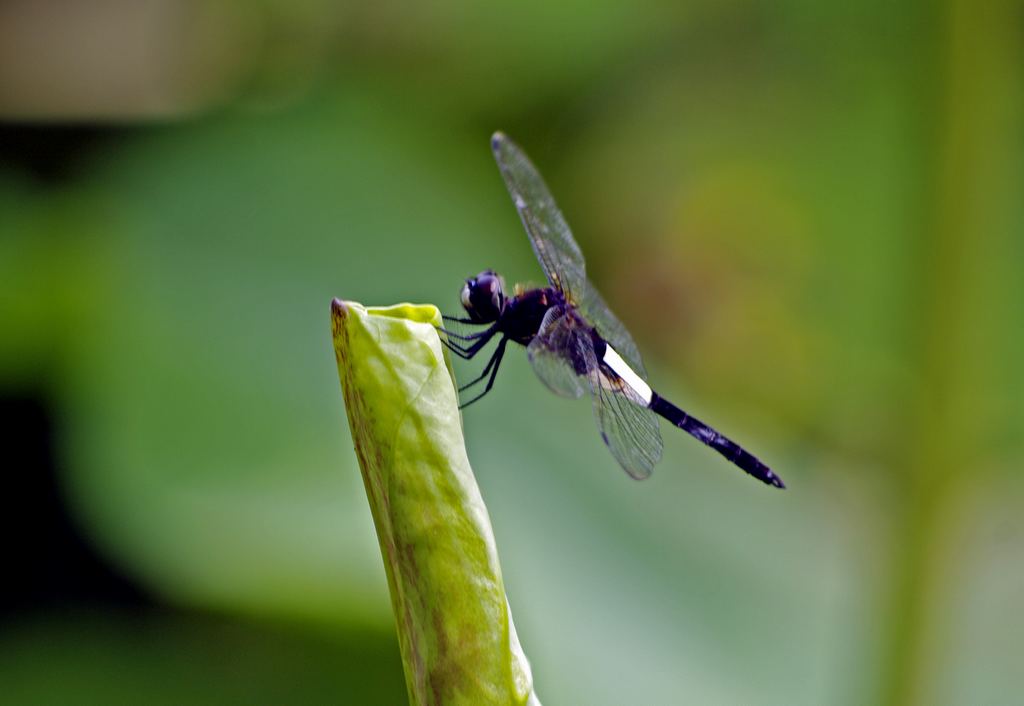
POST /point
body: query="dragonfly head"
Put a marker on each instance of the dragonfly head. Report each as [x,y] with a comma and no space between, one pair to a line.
[483,297]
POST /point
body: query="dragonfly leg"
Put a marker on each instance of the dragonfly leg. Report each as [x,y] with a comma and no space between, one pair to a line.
[460,352]
[463,337]
[460,320]
[487,368]
[468,353]
[496,360]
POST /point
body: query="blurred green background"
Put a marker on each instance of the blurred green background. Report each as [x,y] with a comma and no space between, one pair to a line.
[809,214]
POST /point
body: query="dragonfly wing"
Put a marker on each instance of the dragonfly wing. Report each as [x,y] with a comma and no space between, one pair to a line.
[556,339]
[629,430]
[550,236]
[556,249]
[627,426]
[594,310]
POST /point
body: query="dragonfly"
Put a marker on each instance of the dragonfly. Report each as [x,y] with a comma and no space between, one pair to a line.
[574,342]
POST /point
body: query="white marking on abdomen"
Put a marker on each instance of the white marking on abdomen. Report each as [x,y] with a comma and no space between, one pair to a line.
[614,361]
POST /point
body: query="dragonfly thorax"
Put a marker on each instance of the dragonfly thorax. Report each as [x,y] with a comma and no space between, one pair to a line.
[524,313]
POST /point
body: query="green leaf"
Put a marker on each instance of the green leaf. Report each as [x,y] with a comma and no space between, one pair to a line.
[455,630]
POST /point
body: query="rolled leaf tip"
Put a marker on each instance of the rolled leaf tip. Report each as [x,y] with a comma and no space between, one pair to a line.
[455,630]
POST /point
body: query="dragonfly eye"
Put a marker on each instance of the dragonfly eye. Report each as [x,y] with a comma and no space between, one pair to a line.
[483,297]
[467,298]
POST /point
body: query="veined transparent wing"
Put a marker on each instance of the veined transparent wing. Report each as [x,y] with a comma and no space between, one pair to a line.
[629,429]
[556,339]
[550,236]
[595,311]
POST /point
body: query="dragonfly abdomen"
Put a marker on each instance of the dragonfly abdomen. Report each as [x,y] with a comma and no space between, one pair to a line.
[719,442]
